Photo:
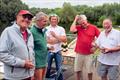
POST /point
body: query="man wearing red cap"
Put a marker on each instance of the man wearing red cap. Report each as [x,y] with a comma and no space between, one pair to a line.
[16,48]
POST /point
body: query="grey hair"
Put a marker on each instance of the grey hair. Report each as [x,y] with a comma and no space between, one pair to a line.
[40,16]
[82,16]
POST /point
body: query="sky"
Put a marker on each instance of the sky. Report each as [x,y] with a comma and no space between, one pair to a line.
[59,3]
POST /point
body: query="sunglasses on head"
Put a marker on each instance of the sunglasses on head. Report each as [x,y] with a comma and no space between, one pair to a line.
[28,16]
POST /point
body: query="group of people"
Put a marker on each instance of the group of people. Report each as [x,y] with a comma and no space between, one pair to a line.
[89,38]
[28,54]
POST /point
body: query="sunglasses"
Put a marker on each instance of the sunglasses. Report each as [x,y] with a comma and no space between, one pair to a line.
[28,16]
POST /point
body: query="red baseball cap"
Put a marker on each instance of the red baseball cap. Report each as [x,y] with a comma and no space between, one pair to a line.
[23,12]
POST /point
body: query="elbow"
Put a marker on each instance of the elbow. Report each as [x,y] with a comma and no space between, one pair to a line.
[64,40]
[73,30]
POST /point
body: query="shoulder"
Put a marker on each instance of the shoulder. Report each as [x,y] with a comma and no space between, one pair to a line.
[8,29]
[116,31]
[49,26]
[33,29]
[93,26]
[60,28]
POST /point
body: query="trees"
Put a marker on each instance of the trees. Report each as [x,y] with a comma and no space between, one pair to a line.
[67,15]
[8,10]
[95,15]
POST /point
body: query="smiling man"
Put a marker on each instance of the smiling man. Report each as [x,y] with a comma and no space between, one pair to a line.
[109,58]
[55,37]
[16,48]
[40,45]
[86,35]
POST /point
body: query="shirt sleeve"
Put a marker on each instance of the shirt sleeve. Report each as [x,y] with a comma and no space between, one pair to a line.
[62,32]
[119,39]
[6,55]
[98,40]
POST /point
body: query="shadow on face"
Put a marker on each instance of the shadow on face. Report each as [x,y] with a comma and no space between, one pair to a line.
[42,22]
[24,20]
[53,20]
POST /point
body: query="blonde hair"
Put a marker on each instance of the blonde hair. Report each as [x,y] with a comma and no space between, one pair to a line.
[54,15]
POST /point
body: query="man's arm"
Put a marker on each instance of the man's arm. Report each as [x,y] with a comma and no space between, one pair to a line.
[51,40]
[73,26]
[59,38]
[115,49]
[5,47]
[6,57]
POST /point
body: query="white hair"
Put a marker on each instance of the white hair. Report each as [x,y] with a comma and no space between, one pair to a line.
[83,17]
[40,15]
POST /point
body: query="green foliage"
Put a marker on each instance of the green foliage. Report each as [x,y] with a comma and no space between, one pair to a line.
[67,15]
[99,23]
[95,15]
[8,10]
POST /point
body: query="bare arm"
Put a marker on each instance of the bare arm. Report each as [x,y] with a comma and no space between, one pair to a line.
[60,38]
[73,26]
[107,50]
[52,40]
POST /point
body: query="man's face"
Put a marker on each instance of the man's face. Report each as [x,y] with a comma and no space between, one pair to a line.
[53,20]
[107,24]
[42,22]
[23,20]
[82,22]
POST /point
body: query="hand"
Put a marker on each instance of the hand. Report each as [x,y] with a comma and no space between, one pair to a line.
[93,44]
[53,34]
[52,41]
[76,17]
[105,50]
[32,78]
[28,64]
[93,49]
[51,48]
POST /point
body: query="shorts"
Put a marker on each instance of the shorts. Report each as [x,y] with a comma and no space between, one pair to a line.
[83,61]
[112,71]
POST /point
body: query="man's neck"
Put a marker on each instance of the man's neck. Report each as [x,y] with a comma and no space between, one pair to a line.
[54,26]
[39,27]
[85,26]
[108,31]
[22,29]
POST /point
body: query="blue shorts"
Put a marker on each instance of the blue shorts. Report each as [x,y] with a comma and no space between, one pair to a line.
[112,71]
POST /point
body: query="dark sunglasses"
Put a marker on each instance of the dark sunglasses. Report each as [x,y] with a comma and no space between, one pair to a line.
[28,16]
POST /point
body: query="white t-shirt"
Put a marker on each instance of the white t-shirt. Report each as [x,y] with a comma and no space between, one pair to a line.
[60,31]
[110,41]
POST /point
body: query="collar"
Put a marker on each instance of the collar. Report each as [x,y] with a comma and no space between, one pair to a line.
[39,29]
[53,26]
[17,28]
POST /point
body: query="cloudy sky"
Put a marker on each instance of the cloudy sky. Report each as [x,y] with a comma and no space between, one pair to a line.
[59,3]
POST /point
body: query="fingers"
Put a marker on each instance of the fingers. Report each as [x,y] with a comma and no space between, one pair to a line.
[29,64]
[104,50]
[76,17]
[52,33]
